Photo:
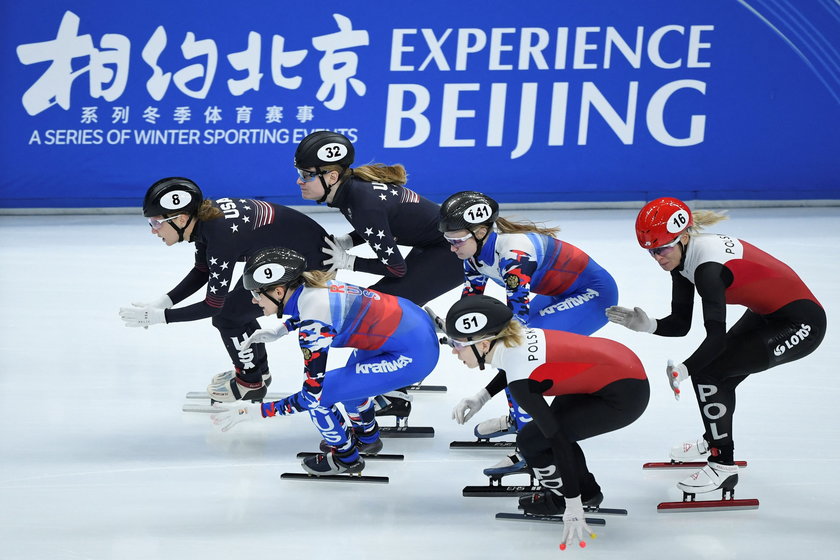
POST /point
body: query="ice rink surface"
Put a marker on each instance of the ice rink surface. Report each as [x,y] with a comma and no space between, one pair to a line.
[98,461]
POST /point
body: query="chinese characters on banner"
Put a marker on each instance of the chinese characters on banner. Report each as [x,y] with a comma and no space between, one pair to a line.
[107,67]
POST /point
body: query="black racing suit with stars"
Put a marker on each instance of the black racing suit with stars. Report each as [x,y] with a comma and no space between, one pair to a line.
[783,322]
[246,227]
[383,215]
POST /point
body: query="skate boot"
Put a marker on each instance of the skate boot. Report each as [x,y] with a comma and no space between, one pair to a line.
[330,463]
[690,451]
[235,389]
[511,464]
[549,503]
[495,427]
[371,448]
[714,476]
[220,378]
[394,403]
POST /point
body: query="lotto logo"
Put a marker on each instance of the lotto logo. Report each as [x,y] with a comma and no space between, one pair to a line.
[794,339]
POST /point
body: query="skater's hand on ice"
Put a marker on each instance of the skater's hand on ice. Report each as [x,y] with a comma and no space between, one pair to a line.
[338,257]
[261,336]
[467,408]
[634,319]
[574,524]
[676,374]
[230,417]
[144,316]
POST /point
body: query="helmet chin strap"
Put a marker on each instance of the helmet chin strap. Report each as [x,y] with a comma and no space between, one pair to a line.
[479,243]
[327,188]
[183,229]
[279,304]
[482,357]
[289,288]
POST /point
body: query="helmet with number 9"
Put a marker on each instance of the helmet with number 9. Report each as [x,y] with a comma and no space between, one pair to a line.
[466,210]
[476,317]
[323,148]
[172,196]
[661,221]
[274,266]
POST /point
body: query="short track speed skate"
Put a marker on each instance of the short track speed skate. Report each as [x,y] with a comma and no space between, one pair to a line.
[418,388]
[398,405]
[211,406]
[365,456]
[546,507]
[403,430]
[712,477]
[336,478]
[327,467]
[482,444]
[494,486]
[487,434]
[688,455]
[726,503]
[683,465]
[547,503]
[547,518]
[202,395]
[508,466]
[257,394]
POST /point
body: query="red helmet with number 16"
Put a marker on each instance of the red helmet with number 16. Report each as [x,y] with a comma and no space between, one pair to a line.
[661,221]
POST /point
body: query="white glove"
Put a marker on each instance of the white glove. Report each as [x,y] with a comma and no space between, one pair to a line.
[261,336]
[142,316]
[344,241]
[574,524]
[338,257]
[676,374]
[230,417]
[634,319]
[163,302]
[467,408]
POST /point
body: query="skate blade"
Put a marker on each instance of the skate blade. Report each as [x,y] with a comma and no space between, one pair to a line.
[199,395]
[499,491]
[482,444]
[365,456]
[545,518]
[406,432]
[684,465]
[708,505]
[336,478]
[427,388]
[203,408]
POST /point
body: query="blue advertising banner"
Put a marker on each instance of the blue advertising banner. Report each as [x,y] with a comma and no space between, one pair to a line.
[544,101]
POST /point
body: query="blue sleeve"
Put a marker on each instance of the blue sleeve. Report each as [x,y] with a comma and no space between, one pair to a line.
[516,269]
[476,281]
[315,338]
